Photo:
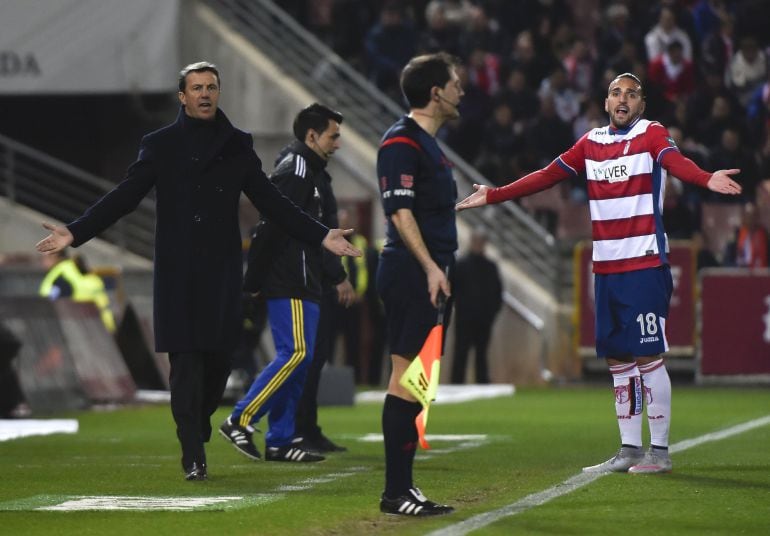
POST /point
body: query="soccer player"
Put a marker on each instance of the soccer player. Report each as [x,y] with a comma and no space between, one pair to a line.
[625,165]
[418,198]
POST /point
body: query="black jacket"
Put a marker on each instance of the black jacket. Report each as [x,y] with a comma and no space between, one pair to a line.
[280,266]
[198,267]
[477,289]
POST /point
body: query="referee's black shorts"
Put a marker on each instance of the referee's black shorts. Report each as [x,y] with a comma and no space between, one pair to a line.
[403,287]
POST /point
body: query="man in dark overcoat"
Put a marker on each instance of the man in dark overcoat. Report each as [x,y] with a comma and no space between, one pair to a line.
[199,165]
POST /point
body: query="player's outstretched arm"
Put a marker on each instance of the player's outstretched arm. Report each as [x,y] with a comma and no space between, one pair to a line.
[721,182]
[60,238]
[476,199]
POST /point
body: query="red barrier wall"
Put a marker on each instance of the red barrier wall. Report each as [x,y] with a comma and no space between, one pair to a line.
[735,322]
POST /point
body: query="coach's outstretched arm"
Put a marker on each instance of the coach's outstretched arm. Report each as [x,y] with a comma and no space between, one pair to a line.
[336,242]
[59,239]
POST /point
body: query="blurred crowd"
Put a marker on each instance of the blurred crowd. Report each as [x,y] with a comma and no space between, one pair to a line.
[536,71]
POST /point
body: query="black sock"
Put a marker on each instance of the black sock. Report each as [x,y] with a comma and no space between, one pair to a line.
[400,435]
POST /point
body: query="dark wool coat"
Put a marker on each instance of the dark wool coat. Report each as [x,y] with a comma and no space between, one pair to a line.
[198,262]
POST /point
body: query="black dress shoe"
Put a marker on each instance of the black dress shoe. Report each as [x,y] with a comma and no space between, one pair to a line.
[197,471]
[324,444]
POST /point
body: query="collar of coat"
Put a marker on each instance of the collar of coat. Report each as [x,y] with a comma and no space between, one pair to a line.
[224,131]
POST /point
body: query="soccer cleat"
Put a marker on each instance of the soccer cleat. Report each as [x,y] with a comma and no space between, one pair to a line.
[197,471]
[240,437]
[414,503]
[620,463]
[292,453]
[655,461]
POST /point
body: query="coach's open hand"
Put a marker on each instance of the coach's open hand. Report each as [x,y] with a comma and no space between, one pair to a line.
[335,242]
[60,238]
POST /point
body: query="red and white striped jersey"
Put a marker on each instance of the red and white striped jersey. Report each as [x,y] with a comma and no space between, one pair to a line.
[626,185]
[626,181]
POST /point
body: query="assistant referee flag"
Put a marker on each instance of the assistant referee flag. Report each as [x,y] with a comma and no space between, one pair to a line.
[421,377]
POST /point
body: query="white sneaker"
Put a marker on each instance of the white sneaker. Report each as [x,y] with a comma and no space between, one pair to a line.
[620,463]
[655,461]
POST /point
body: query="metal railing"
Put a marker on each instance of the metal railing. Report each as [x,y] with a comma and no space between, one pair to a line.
[370,112]
[46,184]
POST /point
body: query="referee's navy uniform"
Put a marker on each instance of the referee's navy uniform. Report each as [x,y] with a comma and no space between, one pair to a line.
[413,174]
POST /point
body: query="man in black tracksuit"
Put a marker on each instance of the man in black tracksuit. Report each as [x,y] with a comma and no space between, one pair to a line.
[289,274]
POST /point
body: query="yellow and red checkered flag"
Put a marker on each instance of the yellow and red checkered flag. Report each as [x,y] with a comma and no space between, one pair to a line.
[421,377]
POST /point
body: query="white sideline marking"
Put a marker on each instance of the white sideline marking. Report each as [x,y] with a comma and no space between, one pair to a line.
[578,481]
[377,438]
[451,394]
[152,396]
[310,483]
[462,442]
[17,428]
[142,503]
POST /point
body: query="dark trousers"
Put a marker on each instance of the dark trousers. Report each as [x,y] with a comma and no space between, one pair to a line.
[471,334]
[10,389]
[11,394]
[306,424]
[197,381]
[348,321]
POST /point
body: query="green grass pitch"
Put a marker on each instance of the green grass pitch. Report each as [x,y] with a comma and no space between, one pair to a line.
[510,448]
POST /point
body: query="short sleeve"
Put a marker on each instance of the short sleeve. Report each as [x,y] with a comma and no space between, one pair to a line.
[398,164]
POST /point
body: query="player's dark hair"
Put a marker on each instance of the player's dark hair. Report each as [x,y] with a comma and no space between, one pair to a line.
[198,67]
[633,77]
[315,117]
[422,74]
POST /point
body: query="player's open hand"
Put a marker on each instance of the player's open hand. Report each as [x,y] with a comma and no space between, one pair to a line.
[60,238]
[721,182]
[335,242]
[476,199]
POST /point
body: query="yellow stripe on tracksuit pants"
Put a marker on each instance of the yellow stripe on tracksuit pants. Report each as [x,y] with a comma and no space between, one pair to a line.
[278,388]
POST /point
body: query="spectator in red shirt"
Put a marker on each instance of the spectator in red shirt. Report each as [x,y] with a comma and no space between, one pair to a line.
[672,73]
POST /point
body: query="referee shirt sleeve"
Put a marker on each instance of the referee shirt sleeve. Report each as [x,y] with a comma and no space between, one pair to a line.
[398,165]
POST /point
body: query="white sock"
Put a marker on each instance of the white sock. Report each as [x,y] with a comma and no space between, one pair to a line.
[657,393]
[628,402]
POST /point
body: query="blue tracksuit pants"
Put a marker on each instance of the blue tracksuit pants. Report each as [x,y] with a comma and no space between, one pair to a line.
[278,388]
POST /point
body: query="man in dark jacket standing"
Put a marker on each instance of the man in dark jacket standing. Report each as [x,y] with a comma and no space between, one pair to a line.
[199,165]
[289,274]
[478,294]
